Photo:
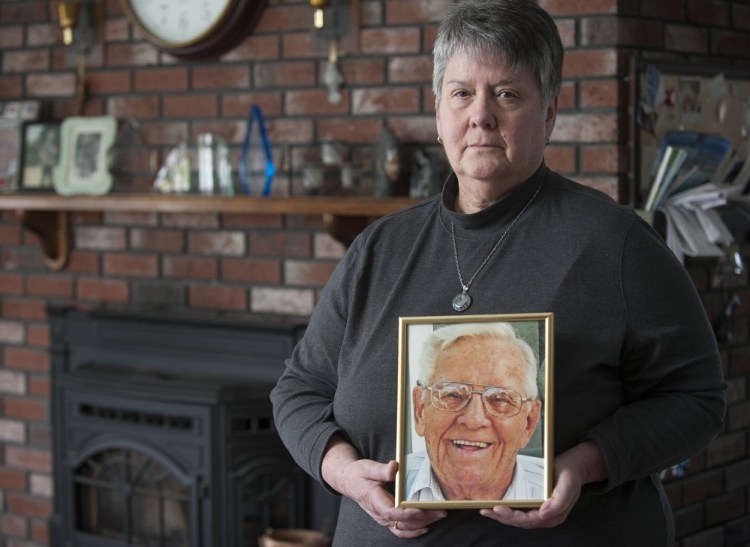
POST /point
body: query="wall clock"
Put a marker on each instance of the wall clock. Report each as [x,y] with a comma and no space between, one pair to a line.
[193,29]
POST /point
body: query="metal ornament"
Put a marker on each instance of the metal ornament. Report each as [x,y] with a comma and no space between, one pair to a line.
[462,301]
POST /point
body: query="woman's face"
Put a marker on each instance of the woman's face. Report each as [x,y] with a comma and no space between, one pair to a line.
[493,125]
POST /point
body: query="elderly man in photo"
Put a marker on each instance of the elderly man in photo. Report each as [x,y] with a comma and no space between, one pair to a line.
[476,405]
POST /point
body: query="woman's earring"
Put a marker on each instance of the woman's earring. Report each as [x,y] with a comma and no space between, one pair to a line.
[440,140]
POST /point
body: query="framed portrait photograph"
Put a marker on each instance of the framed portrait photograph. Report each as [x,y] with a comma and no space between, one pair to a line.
[41,154]
[475,411]
[84,155]
[10,155]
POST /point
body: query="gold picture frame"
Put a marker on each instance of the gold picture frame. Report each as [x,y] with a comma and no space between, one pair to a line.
[466,442]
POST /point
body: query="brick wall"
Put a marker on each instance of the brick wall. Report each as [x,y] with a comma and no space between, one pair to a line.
[276,264]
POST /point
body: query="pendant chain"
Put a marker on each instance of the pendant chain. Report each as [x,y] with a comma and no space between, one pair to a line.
[465,286]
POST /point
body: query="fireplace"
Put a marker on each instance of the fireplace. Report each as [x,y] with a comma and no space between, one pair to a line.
[163,432]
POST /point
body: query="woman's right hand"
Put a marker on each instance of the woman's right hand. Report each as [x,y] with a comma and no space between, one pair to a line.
[364,481]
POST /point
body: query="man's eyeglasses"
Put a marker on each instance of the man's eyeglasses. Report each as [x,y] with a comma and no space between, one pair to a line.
[500,402]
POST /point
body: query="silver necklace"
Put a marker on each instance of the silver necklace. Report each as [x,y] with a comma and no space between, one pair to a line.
[462,300]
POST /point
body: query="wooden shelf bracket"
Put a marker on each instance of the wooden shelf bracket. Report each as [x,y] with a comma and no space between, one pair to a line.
[53,231]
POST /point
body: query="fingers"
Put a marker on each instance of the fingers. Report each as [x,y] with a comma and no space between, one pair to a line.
[411,523]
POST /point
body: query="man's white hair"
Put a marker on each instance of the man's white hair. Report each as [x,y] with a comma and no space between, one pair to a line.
[442,338]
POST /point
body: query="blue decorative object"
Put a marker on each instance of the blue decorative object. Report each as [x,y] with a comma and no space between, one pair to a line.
[256,115]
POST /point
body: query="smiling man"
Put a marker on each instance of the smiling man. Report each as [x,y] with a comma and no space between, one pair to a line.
[476,405]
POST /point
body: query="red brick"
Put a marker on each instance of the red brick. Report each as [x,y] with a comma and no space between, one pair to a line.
[597,128]
[280,244]
[399,12]
[284,18]
[239,104]
[284,74]
[161,79]
[601,93]
[708,12]
[220,243]
[190,106]
[14,526]
[244,221]
[138,54]
[384,41]
[291,131]
[24,409]
[613,31]
[561,158]
[11,332]
[220,77]
[100,238]
[686,39]
[386,100]
[167,241]
[13,431]
[668,10]
[11,283]
[362,71]
[576,7]
[314,101]
[131,265]
[590,62]
[349,129]
[225,298]
[39,386]
[567,98]
[12,382]
[731,44]
[282,300]
[13,480]
[410,69]
[10,235]
[741,16]
[28,458]
[11,36]
[32,360]
[26,308]
[51,85]
[28,506]
[131,218]
[142,107]
[82,262]
[325,246]
[186,267]
[190,220]
[102,289]
[49,285]
[104,83]
[26,61]
[307,273]
[40,531]
[603,159]
[256,47]
[267,272]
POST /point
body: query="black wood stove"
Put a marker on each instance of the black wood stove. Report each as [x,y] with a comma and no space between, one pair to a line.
[163,432]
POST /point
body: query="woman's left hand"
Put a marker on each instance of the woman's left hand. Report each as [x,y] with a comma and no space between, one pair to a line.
[580,465]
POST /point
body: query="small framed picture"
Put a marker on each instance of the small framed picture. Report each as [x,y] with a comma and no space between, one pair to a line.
[475,411]
[84,155]
[10,155]
[41,154]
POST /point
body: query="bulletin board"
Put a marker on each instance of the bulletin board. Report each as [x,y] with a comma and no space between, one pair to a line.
[712,99]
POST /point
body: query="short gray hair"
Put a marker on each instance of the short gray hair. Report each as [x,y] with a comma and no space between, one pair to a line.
[519,32]
[442,338]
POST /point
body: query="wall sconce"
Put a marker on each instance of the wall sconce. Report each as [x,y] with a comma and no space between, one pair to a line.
[67,12]
[335,23]
[77,20]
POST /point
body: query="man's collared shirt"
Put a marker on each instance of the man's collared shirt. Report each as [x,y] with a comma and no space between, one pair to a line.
[422,485]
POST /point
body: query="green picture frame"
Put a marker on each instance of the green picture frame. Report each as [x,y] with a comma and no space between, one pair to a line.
[84,155]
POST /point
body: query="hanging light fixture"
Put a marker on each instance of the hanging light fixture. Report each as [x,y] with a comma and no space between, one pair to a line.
[319,14]
[67,12]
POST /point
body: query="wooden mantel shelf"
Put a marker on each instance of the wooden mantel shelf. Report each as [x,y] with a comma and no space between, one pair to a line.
[47,214]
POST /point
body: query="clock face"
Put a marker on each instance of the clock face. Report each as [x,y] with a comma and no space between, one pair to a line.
[179,22]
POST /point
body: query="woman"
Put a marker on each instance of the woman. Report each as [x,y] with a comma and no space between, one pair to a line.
[638,382]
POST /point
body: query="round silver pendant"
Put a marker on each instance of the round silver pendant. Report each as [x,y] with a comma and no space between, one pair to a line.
[461,302]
